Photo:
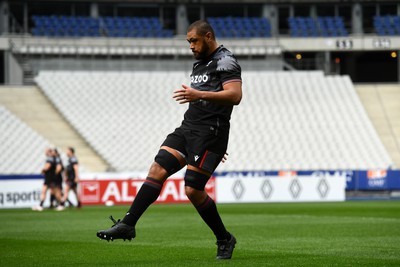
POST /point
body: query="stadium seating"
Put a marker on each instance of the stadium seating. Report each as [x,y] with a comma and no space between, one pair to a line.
[22,149]
[387,25]
[317,27]
[104,26]
[286,121]
[238,27]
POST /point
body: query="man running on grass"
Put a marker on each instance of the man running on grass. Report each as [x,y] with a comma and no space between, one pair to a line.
[199,143]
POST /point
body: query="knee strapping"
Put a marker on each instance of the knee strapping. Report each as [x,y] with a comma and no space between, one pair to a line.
[168,161]
[196,180]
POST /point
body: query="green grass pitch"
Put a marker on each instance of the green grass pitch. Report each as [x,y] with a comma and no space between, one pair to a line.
[364,233]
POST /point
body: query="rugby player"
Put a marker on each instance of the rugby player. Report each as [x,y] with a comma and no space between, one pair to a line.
[57,190]
[49,172]
[72,176]
[199,143]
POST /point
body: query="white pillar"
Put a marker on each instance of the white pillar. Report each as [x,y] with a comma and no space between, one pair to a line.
[356,19]
[4,17]
[181,20]
[94,10]
[271,13]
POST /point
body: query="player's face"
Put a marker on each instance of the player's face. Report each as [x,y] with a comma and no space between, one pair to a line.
[198,44]
[49,152]
[69,153]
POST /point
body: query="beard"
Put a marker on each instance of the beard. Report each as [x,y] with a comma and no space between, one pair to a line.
[203,53]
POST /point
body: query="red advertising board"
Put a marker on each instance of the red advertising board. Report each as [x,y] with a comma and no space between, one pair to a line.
[123,191]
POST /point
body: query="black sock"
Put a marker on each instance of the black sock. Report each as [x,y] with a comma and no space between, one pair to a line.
[52,198]
[147,194]
[208,211]
[41,203]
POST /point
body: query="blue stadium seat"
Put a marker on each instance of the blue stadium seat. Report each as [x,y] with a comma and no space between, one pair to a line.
[240,27]
[81,26]
[314,27]
[387,25]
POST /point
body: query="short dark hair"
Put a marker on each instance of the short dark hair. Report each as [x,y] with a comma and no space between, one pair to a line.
[72,150]
[202,28]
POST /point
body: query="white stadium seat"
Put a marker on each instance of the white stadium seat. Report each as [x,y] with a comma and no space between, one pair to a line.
[287,120]
[22,149]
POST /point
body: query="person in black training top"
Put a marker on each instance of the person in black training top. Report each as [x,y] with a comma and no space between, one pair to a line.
[199,143]
[57,190]
[72,176]
[49,172]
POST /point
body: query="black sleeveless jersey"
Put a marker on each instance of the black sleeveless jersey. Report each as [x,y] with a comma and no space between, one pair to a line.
[211,74]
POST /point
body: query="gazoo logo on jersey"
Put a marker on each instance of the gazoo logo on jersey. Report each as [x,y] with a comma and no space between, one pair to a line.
[199,78]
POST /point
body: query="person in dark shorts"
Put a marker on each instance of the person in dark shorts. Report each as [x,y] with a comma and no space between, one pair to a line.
[199,143]
[59,164]
[57,189]
[49,172]
[72,176]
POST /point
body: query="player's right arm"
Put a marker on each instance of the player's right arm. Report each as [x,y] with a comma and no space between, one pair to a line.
[46,167]
[58,168]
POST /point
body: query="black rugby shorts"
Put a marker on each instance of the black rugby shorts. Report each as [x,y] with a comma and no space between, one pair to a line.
[203,147]
[71,183]
[49,180]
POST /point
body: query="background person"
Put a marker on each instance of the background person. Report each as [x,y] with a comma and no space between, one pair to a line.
[49,173]
[72,176]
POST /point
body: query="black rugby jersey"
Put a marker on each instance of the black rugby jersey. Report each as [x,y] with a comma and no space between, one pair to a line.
[59,161]
[209,75]
[51,173]
[70,168]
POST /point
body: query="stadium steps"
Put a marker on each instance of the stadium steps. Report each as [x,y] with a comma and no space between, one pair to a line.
[27,70]
[31,106]
[382,103]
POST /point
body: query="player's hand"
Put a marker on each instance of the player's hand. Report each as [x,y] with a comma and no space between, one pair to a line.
[186,94]
[76,180]
[225,158]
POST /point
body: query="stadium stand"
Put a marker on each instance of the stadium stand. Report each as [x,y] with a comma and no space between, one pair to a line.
[238,27]
[314,27]
[80,26]
[34,109]
[387,25]
[124,116]
[22,149]
[299,120]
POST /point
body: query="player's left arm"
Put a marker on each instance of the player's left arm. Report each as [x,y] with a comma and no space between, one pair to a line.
[230,95]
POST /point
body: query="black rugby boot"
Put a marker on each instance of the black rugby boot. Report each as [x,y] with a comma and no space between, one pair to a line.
[225,248]
[119,230]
